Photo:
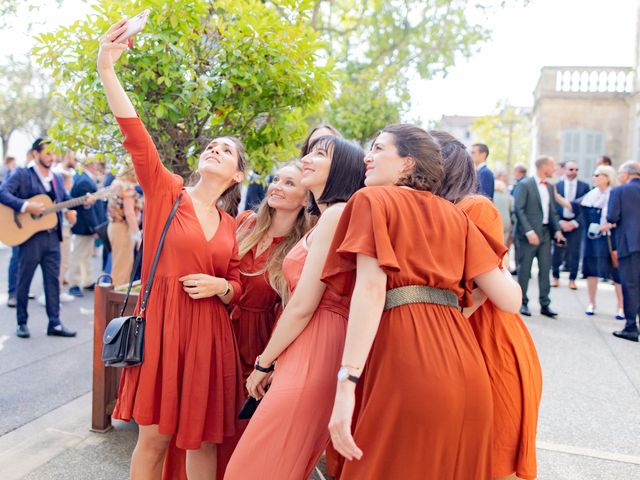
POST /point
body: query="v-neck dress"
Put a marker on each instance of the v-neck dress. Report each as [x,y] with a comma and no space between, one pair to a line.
[187,382]
[254,314]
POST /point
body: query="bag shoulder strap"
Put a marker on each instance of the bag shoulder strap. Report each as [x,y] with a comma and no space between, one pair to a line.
[147,290]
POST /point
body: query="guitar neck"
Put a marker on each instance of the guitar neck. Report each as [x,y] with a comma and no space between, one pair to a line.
[74,202]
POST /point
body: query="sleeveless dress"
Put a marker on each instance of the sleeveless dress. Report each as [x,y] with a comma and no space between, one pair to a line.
[512,363]
[425,408]
[187,384]
[254,314]
[287,434]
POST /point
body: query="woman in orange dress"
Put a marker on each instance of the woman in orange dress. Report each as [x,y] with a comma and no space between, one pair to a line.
[264,238]
[507,346]
[288,432]
[186,387]
[426,407]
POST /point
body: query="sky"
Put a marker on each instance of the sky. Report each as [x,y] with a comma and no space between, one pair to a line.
[524,39]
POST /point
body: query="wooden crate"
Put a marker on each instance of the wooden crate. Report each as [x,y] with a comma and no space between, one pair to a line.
[107,305]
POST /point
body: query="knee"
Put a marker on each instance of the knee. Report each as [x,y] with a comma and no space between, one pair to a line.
[153,445]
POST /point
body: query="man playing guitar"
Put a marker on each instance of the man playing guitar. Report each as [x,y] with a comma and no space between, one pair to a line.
[43,248]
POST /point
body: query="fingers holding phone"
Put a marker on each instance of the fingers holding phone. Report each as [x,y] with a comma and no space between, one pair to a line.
[110,52]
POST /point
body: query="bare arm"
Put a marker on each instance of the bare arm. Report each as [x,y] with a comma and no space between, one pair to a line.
[108,55]
[309,291]
[499,287]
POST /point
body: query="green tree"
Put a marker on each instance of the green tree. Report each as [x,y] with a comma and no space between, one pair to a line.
[201,68]
[378,45]
[507,133]
[24,101]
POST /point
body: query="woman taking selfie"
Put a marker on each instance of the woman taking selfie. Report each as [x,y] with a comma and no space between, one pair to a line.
[288,431]
[264,238]
[186,386]
[505,341]
[423,365]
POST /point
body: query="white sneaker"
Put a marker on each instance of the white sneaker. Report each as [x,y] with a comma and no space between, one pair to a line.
[66,298]
[591,309]
[42,300]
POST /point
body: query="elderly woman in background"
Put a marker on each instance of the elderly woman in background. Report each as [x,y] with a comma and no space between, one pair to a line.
[599,238]
[123,210]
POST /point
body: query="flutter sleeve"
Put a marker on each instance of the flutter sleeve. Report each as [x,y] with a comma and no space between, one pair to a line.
[479,258]
[362,229]
[152,175]
[486,217]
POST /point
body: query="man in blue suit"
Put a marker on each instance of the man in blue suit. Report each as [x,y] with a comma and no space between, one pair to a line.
[623,211]
[84,231]
[479,154]
[571,189]
[43,248]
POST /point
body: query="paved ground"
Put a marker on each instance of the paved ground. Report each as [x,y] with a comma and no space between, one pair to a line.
[589,425]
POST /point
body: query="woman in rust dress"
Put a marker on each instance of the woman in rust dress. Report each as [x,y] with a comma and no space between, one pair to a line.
[426,407]
[186,387]
[507,346]
[264,238]
[288,432]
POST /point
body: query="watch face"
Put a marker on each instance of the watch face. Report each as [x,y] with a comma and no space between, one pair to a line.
[343,374]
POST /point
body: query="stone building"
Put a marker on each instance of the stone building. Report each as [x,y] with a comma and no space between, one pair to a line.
[459,126]
[581,113]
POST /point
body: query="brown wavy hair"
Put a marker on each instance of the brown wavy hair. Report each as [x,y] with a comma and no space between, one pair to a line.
[251,232]
[460,178]
[412,141]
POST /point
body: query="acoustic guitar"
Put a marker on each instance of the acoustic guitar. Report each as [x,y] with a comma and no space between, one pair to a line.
[16,228]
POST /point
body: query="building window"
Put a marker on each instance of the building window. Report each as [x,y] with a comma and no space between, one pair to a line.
[583,147]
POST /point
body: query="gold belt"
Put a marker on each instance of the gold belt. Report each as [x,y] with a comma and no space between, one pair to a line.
[397,297]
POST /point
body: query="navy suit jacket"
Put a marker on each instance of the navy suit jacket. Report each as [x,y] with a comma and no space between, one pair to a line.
[486,181]
[581,190]
[23,184]
[88,218]
[623,211]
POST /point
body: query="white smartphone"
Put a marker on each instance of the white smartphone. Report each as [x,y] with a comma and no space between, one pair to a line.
[134,25]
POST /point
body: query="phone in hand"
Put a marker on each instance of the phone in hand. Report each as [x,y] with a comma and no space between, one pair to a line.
[133,26]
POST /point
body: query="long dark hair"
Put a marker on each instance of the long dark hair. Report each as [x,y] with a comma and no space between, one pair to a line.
[412,141]
[306,146]
[346,174]
[460,178]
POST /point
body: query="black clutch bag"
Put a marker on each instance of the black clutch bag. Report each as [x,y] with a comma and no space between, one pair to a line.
[248,409]
[123,340]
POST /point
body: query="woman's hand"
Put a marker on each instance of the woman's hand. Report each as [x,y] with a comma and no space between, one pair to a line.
[340,423]
[201,285]
[606,227]
[257,382]
[110,52]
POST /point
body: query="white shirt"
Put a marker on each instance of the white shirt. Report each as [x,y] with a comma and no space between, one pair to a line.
[46,181]
[543,190]
[570,189]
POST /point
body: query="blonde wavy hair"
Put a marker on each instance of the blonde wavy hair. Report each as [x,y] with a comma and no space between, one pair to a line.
[250,234]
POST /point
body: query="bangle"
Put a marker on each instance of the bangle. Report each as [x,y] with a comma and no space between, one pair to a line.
[268,369]
[227,290]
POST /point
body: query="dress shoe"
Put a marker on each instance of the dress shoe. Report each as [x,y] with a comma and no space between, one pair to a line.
[555,282]
[12,302]
[91,287]
[76,291]
[524,310]
[514,271]
[572,285]
[23,331]
[591,310]
[627,335]
[60,331]
[620,314]
[547,311]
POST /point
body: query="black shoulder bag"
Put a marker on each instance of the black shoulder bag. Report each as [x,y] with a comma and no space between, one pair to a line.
[123,340]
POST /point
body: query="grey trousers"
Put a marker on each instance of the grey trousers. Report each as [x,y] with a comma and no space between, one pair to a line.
[526,254]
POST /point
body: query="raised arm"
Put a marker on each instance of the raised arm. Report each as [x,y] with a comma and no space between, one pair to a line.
[152,175]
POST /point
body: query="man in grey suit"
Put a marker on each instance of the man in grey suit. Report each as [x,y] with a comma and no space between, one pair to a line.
[537,223]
